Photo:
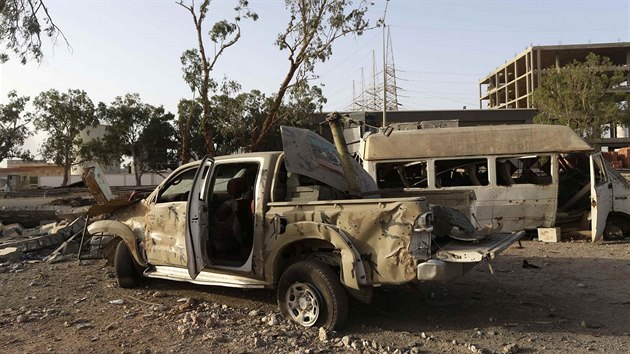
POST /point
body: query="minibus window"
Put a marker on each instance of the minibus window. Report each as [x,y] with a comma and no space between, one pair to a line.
[402,174]
[524,170]
[461,172]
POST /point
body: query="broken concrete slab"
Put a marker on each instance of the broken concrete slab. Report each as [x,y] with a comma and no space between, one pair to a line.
[38,239]
[12,231]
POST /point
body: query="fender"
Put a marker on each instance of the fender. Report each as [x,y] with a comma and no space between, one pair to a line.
[116,228]
[353,269]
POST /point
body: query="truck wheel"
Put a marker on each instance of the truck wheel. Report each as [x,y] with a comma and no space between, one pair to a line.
[310,294]
[126,272]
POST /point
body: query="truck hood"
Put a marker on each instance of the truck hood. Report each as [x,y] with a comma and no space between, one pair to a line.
[309,154]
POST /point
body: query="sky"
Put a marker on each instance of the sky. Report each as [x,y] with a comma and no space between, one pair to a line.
[441,49]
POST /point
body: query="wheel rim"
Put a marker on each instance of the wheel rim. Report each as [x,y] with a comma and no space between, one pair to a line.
[303,303]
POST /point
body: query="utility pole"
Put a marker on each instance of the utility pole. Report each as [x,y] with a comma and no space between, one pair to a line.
[384,70]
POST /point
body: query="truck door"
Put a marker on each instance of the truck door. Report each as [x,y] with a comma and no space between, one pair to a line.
[197,218]
[601,196]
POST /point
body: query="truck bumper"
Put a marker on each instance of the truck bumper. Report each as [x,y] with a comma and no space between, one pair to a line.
[456,258]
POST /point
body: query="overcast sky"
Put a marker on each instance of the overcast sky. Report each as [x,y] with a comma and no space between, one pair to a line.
[441,48]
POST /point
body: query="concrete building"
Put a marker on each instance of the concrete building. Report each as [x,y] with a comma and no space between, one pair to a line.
[20,174]
[511,85]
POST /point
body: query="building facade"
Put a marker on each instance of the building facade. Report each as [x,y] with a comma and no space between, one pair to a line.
[511,85]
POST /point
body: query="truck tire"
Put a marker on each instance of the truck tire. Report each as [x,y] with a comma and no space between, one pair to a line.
[126,272]
[310,294]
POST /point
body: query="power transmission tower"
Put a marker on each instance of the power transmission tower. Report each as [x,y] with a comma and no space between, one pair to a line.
[371,97]
[391,90]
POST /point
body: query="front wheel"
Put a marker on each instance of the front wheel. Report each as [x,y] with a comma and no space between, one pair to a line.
[126,272]
[310,294]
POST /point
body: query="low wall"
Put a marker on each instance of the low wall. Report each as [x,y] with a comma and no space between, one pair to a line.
[114,180]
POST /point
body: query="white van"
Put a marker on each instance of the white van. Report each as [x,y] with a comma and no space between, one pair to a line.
[523,176]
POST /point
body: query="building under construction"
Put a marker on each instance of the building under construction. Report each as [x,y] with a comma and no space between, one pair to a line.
[511,85]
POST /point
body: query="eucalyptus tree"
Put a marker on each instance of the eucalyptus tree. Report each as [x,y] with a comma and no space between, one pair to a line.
[313,28]
[22,25]
[14,127]
[199,62]
[63,115]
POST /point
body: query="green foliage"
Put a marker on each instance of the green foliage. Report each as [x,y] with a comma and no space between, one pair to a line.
[309,36]
[197,64]
[234,116]
[13,127]
[137,130]
[63,116]
[581,96]
[189,125]
[22,24]
[158,142]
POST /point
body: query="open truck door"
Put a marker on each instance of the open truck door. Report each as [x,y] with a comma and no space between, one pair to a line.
[197,218]
[601,196]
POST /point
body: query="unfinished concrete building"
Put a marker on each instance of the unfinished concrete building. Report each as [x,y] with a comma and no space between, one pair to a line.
[511,85]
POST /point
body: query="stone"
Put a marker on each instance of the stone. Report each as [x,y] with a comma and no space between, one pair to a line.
[549,234]
[117,302]
[22,318]
[356,345]
[510,349]
[323,334]
[423,335]
[159,294]
[259,342]
[346,341]
[84,325]
[273,320]
[254,313]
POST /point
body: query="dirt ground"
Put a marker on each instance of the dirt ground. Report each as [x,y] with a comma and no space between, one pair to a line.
[577,300]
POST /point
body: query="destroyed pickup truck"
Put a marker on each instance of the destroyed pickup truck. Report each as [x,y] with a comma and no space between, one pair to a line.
[285,221]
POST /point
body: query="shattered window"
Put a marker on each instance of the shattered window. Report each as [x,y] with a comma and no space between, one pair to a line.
[600,170]
[402,174]
[178,188]
[524,170]
[461,172]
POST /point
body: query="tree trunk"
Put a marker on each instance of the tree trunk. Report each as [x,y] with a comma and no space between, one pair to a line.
[184,130]
[66,174]
[261,135]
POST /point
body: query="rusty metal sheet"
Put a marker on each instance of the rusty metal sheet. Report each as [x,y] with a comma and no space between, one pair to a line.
[110,206]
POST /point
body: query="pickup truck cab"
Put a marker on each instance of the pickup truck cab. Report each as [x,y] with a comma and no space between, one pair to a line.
[252,221]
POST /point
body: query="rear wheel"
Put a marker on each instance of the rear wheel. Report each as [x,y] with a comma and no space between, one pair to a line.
[126,272]
[310,294]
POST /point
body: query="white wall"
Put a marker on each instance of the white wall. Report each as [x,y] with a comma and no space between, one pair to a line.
[114,180]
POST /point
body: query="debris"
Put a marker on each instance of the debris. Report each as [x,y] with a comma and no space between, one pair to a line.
[96,184]
[323,334]
[528,265]
[273,320]
[510,349]
[346,341]
[117,302]
[159,294]
[84,325]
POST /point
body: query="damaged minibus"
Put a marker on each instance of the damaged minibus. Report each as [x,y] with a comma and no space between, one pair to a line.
[522,176]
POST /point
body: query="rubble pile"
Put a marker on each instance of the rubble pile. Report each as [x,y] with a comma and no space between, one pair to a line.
[17,242]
